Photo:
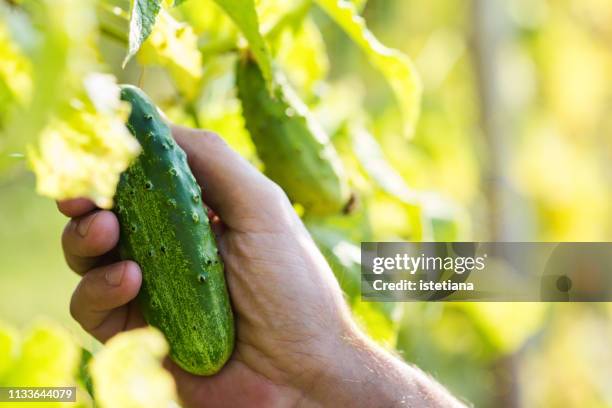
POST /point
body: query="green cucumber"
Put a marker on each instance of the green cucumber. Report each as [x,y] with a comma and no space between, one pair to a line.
[165,229]
[295,150]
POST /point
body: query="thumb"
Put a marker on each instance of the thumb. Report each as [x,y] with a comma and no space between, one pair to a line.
[233,188]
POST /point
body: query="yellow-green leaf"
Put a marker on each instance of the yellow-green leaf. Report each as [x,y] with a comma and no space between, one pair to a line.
[397,68]
[244,15]
[83,152]
[343,256]
[302,55]
[371,157]
[8,348]
[380,320]
[209,21]
[225,116]
[359,4]
[380,326]
[271,11]
[15,68]
[506,326]
[48,357]
[128,372]
[60,57]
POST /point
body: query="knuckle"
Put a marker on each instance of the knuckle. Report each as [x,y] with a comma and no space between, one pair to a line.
[277,203]
[74,266]
[74,309]
[106,228]
[67,232]
[88,289]
[276,195]
[212,139]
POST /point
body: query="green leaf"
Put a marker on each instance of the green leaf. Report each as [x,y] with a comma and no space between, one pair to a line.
[128,371]
[397,68]
[142,19]
[244,15]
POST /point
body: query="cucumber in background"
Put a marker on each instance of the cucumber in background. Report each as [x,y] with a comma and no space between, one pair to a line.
[296,151]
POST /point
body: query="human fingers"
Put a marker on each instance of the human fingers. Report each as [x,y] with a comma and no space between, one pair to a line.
[100,301]
[75,207]
[233,188]
[88,237]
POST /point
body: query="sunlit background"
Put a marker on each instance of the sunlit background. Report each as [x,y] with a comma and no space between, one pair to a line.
[514,143]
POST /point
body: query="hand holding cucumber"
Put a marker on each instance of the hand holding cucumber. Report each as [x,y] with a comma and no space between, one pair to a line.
[295,341]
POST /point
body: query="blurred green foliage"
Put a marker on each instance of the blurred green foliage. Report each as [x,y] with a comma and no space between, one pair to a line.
[46,356]
[550,95]
[128,372]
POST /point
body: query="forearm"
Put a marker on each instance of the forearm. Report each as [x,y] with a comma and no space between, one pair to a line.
[364,375]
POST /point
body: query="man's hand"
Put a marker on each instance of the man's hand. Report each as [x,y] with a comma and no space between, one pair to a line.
[296,343]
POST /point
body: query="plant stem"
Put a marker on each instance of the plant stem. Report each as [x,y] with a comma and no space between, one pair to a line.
[220,46]
[228,44]
[107,13]
[190,108]
[108,32]
[293,16]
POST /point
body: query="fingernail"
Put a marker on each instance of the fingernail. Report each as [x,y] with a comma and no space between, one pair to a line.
[114,276]
[83,225]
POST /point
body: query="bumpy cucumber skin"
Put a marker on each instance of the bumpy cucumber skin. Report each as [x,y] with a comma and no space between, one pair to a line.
[165,229]
[295,150]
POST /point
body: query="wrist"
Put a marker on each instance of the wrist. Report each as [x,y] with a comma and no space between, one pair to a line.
[340,377]
[360,373]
